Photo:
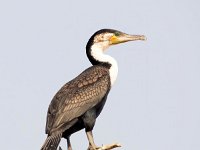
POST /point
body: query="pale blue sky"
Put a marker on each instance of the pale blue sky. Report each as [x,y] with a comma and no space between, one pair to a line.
[154,105]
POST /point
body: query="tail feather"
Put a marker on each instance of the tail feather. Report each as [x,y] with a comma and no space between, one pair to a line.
[52,142]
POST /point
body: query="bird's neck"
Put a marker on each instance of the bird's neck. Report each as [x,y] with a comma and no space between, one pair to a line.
[97,57]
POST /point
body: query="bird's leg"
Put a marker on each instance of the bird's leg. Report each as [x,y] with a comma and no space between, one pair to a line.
[92,145]
[91,141]
[69,146]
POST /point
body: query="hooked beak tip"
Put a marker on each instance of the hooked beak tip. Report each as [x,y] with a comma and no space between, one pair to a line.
[136,37]
[126,38]
[144,38]
[141,37]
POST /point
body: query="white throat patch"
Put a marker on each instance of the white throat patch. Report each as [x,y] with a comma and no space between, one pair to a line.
[97,51]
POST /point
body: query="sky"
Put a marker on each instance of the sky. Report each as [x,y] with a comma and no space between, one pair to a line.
[154,104]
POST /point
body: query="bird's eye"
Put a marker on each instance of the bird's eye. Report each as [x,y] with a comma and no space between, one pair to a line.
[117,33]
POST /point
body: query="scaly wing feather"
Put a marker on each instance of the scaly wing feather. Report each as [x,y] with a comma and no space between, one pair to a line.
[76,97]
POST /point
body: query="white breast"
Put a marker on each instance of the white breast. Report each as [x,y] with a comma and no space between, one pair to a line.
[113,71]
[97,51]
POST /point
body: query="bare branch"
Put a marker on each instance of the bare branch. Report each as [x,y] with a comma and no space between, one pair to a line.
[105,147]
[110,146]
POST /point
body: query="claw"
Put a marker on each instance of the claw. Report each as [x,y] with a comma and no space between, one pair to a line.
[105,147]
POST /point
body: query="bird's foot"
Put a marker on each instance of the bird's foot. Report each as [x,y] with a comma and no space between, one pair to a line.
[105,147]
[110,146]
[90,147]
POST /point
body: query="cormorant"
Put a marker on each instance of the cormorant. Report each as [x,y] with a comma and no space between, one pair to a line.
[80,101]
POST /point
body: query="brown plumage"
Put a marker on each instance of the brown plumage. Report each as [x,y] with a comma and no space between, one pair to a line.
[80,92]
[67,108]
[80,101]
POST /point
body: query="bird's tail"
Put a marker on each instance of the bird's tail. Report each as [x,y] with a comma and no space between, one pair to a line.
[52,142]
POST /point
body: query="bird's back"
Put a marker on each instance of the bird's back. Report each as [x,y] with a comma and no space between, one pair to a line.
[76,97]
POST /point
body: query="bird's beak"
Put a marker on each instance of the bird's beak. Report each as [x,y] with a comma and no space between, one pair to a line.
[125,38]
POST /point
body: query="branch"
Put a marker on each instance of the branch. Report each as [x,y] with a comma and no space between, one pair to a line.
[110,146]
[105,147]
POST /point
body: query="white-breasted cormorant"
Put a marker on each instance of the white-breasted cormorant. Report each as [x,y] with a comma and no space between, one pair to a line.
[79,102]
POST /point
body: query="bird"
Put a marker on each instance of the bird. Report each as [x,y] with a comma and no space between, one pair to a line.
[79,102]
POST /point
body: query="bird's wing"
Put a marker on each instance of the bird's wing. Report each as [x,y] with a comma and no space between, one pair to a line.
[76,97]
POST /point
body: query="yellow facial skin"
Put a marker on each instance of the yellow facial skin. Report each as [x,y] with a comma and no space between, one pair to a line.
[125,38]
[114,40]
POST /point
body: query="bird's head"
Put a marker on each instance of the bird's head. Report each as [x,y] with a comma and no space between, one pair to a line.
[107,37]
